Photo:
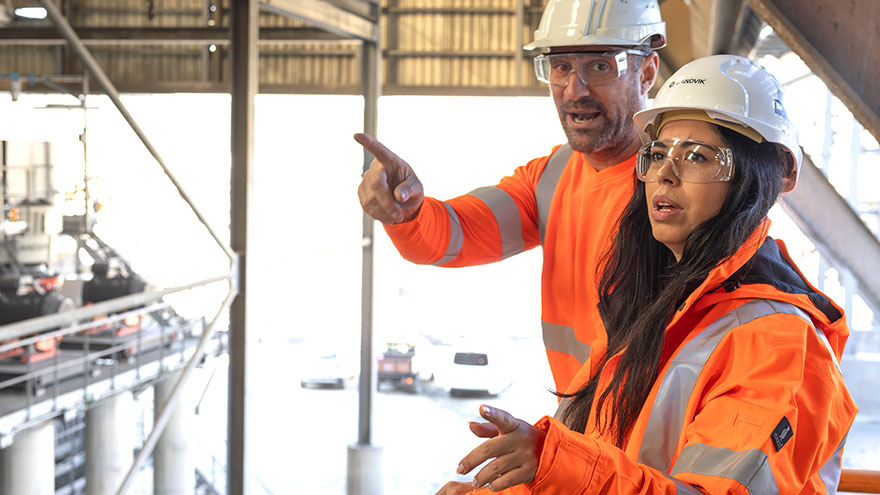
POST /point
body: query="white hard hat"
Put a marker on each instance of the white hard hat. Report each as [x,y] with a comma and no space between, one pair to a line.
[733,92]
[600,22]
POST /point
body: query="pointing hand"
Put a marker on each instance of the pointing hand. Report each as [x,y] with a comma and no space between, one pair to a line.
[390,191]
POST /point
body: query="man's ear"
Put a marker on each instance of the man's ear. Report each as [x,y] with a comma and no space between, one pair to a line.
[648,72]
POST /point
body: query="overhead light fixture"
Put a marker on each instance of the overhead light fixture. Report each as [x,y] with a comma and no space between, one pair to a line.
[31,12]
[766,31]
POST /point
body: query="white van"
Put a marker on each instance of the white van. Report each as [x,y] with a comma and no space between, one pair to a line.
[473,368]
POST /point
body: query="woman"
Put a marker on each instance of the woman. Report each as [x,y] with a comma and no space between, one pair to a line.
[720,370]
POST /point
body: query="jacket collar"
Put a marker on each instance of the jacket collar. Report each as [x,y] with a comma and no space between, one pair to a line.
[762,269]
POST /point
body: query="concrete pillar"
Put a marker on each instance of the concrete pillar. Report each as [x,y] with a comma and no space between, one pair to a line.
[174,471]
[110,442]
[364,470]
[28,465]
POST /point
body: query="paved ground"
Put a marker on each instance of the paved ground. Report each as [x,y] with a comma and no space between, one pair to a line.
[299,437]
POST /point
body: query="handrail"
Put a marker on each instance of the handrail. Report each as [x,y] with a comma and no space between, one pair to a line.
[15,343]
[28,327]
[859,481]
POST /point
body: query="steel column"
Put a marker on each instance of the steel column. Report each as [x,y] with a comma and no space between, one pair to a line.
[370,57]
[840,42]
[244,73]
[364,476]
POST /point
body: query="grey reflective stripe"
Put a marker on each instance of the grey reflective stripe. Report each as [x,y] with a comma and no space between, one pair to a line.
[456,237]
[683,488]
[830,471]
[751,468]
[560,338]
[663,431]
[547,185]
[507,217]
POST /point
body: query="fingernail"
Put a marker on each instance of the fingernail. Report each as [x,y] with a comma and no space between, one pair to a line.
[460,469]
[486,410]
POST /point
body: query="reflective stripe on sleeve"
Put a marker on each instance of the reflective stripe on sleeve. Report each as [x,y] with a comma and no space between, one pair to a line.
[682,488]
[507,218]
[546,187]
[456,237]
[751,468]
[560,338]
[663,431]
[830,471]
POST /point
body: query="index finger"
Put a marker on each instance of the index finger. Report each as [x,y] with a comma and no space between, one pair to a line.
[378,149]
[500,418]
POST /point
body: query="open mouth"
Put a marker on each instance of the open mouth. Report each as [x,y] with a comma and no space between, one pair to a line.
[664,206]
[583,117]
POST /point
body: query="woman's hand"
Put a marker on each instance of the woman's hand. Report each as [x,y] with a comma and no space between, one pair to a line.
[515,446]
[456,488]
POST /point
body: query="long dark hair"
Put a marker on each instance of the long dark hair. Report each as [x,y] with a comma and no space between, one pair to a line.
[641,269]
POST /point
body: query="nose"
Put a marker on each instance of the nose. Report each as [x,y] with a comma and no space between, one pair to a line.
[576,88]
[667,172]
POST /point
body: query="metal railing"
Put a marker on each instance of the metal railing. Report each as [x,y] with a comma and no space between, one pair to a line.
[48,384]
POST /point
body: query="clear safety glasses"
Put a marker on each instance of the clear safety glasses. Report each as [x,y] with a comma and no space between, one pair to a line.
[691,161]
[592,68]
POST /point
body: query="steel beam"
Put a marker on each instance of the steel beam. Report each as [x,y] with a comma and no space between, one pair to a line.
[327,16]
[838,232]
[245,15]
[44,36]
[839,42]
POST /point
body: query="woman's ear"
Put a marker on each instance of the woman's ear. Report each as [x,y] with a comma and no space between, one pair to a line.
[789,173]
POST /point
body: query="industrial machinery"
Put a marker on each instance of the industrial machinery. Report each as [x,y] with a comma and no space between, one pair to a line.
[28,286]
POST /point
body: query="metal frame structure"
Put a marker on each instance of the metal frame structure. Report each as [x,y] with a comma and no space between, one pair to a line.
[245,32]
[236,268]
[357,21]
[26,333]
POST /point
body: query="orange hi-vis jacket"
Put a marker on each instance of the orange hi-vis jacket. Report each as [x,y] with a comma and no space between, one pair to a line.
[560,202]
[750,398]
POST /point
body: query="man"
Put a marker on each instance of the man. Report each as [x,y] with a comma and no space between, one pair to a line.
[599,70]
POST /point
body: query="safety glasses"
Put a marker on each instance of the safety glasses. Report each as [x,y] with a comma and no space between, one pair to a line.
[592,68]
[691,161]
